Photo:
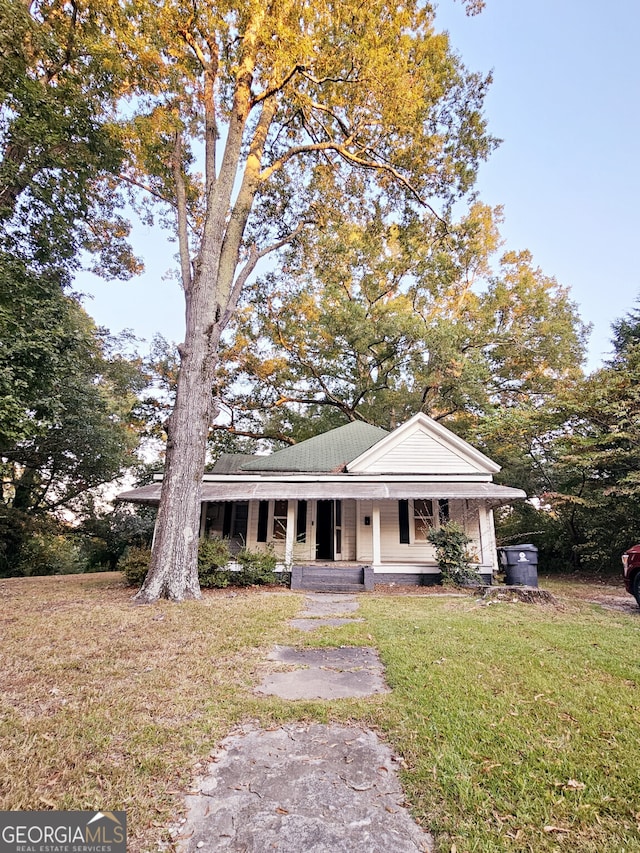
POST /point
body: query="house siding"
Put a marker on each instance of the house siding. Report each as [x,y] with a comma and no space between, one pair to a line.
[420,454]
[349,532]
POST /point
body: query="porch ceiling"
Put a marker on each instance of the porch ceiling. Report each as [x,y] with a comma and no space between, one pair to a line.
[349,489]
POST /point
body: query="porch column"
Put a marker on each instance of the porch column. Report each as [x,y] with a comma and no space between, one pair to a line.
[291,530]
[203,518]
[488,553]
[375,533]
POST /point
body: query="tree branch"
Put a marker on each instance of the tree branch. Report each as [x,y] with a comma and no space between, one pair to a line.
[352,159]
[181,214]
[248,268]
[278,87]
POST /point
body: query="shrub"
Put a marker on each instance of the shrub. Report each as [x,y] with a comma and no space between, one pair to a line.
[48,553]
[213,556]
[135,564]
[451,542]
[31,545]
[258,567]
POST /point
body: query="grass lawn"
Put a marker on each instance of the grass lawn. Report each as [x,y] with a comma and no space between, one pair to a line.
[518,724]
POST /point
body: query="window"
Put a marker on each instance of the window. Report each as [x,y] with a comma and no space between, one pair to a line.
[443,510]
[234,524]
[280,509]
[423,519]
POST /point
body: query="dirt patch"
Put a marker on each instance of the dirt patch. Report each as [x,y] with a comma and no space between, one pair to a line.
[622,604]
[434,590]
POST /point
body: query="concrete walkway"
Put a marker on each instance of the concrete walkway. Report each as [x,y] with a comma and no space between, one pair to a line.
[302,789]
[350,671]
[306,788]
[322,609]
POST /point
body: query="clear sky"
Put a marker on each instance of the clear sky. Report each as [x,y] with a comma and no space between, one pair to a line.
[566,102]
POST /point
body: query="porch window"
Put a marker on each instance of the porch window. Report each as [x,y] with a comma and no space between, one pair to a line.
[280,519]
[443,510]
[423,518]
[234,524]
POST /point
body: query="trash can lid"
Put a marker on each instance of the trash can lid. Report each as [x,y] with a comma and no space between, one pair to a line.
[526,547]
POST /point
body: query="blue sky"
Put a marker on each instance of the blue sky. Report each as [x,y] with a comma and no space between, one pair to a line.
[566,102]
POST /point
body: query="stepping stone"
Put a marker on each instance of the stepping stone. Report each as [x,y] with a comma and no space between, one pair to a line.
[301,789]
[321,604]
[325,673]
[315,624]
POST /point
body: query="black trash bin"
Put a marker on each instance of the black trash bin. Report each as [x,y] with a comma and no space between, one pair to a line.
[520,563]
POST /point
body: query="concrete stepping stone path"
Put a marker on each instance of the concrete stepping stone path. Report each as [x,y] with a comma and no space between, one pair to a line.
[325,610]
[350,671]
[306,788]
[301,789]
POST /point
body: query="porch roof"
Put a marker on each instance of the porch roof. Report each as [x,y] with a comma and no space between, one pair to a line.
[349,488]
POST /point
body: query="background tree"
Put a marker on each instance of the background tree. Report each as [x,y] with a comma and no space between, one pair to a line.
[59,146]
[68,401]
[294,107]
[65,392]
[579,455]
[378,320]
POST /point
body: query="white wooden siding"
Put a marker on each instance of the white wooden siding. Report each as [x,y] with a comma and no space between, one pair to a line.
[349,516]
[364,552]
[421,454]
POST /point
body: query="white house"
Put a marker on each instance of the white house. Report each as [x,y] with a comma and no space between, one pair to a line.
[354,504]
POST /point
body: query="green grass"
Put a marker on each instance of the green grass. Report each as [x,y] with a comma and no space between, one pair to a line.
[518,724]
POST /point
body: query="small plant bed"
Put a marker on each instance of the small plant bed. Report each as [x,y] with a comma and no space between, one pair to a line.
[218,567]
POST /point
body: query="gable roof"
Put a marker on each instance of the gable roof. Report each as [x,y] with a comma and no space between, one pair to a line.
[422,446]
[329,452]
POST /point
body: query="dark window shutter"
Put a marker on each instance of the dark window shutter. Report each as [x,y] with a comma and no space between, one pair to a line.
[301,523]
[403,517]
[263,520]
[226,524]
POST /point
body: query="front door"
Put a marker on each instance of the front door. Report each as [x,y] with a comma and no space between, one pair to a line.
[325,530]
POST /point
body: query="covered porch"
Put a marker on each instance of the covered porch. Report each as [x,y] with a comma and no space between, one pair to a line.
[354,525]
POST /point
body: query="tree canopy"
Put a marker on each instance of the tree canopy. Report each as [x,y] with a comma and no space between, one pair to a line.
[254,122]
[66,392]
[378,320]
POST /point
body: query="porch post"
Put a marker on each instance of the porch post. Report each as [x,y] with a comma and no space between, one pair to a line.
[203,518]
[291,529]
[375,532]
[488,553]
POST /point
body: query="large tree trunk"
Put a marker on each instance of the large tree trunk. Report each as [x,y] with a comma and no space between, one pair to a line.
[173,572]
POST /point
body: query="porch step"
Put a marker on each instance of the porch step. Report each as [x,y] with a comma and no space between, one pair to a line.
[330,579]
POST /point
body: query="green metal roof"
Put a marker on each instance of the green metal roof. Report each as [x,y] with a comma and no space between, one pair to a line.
[325,453]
